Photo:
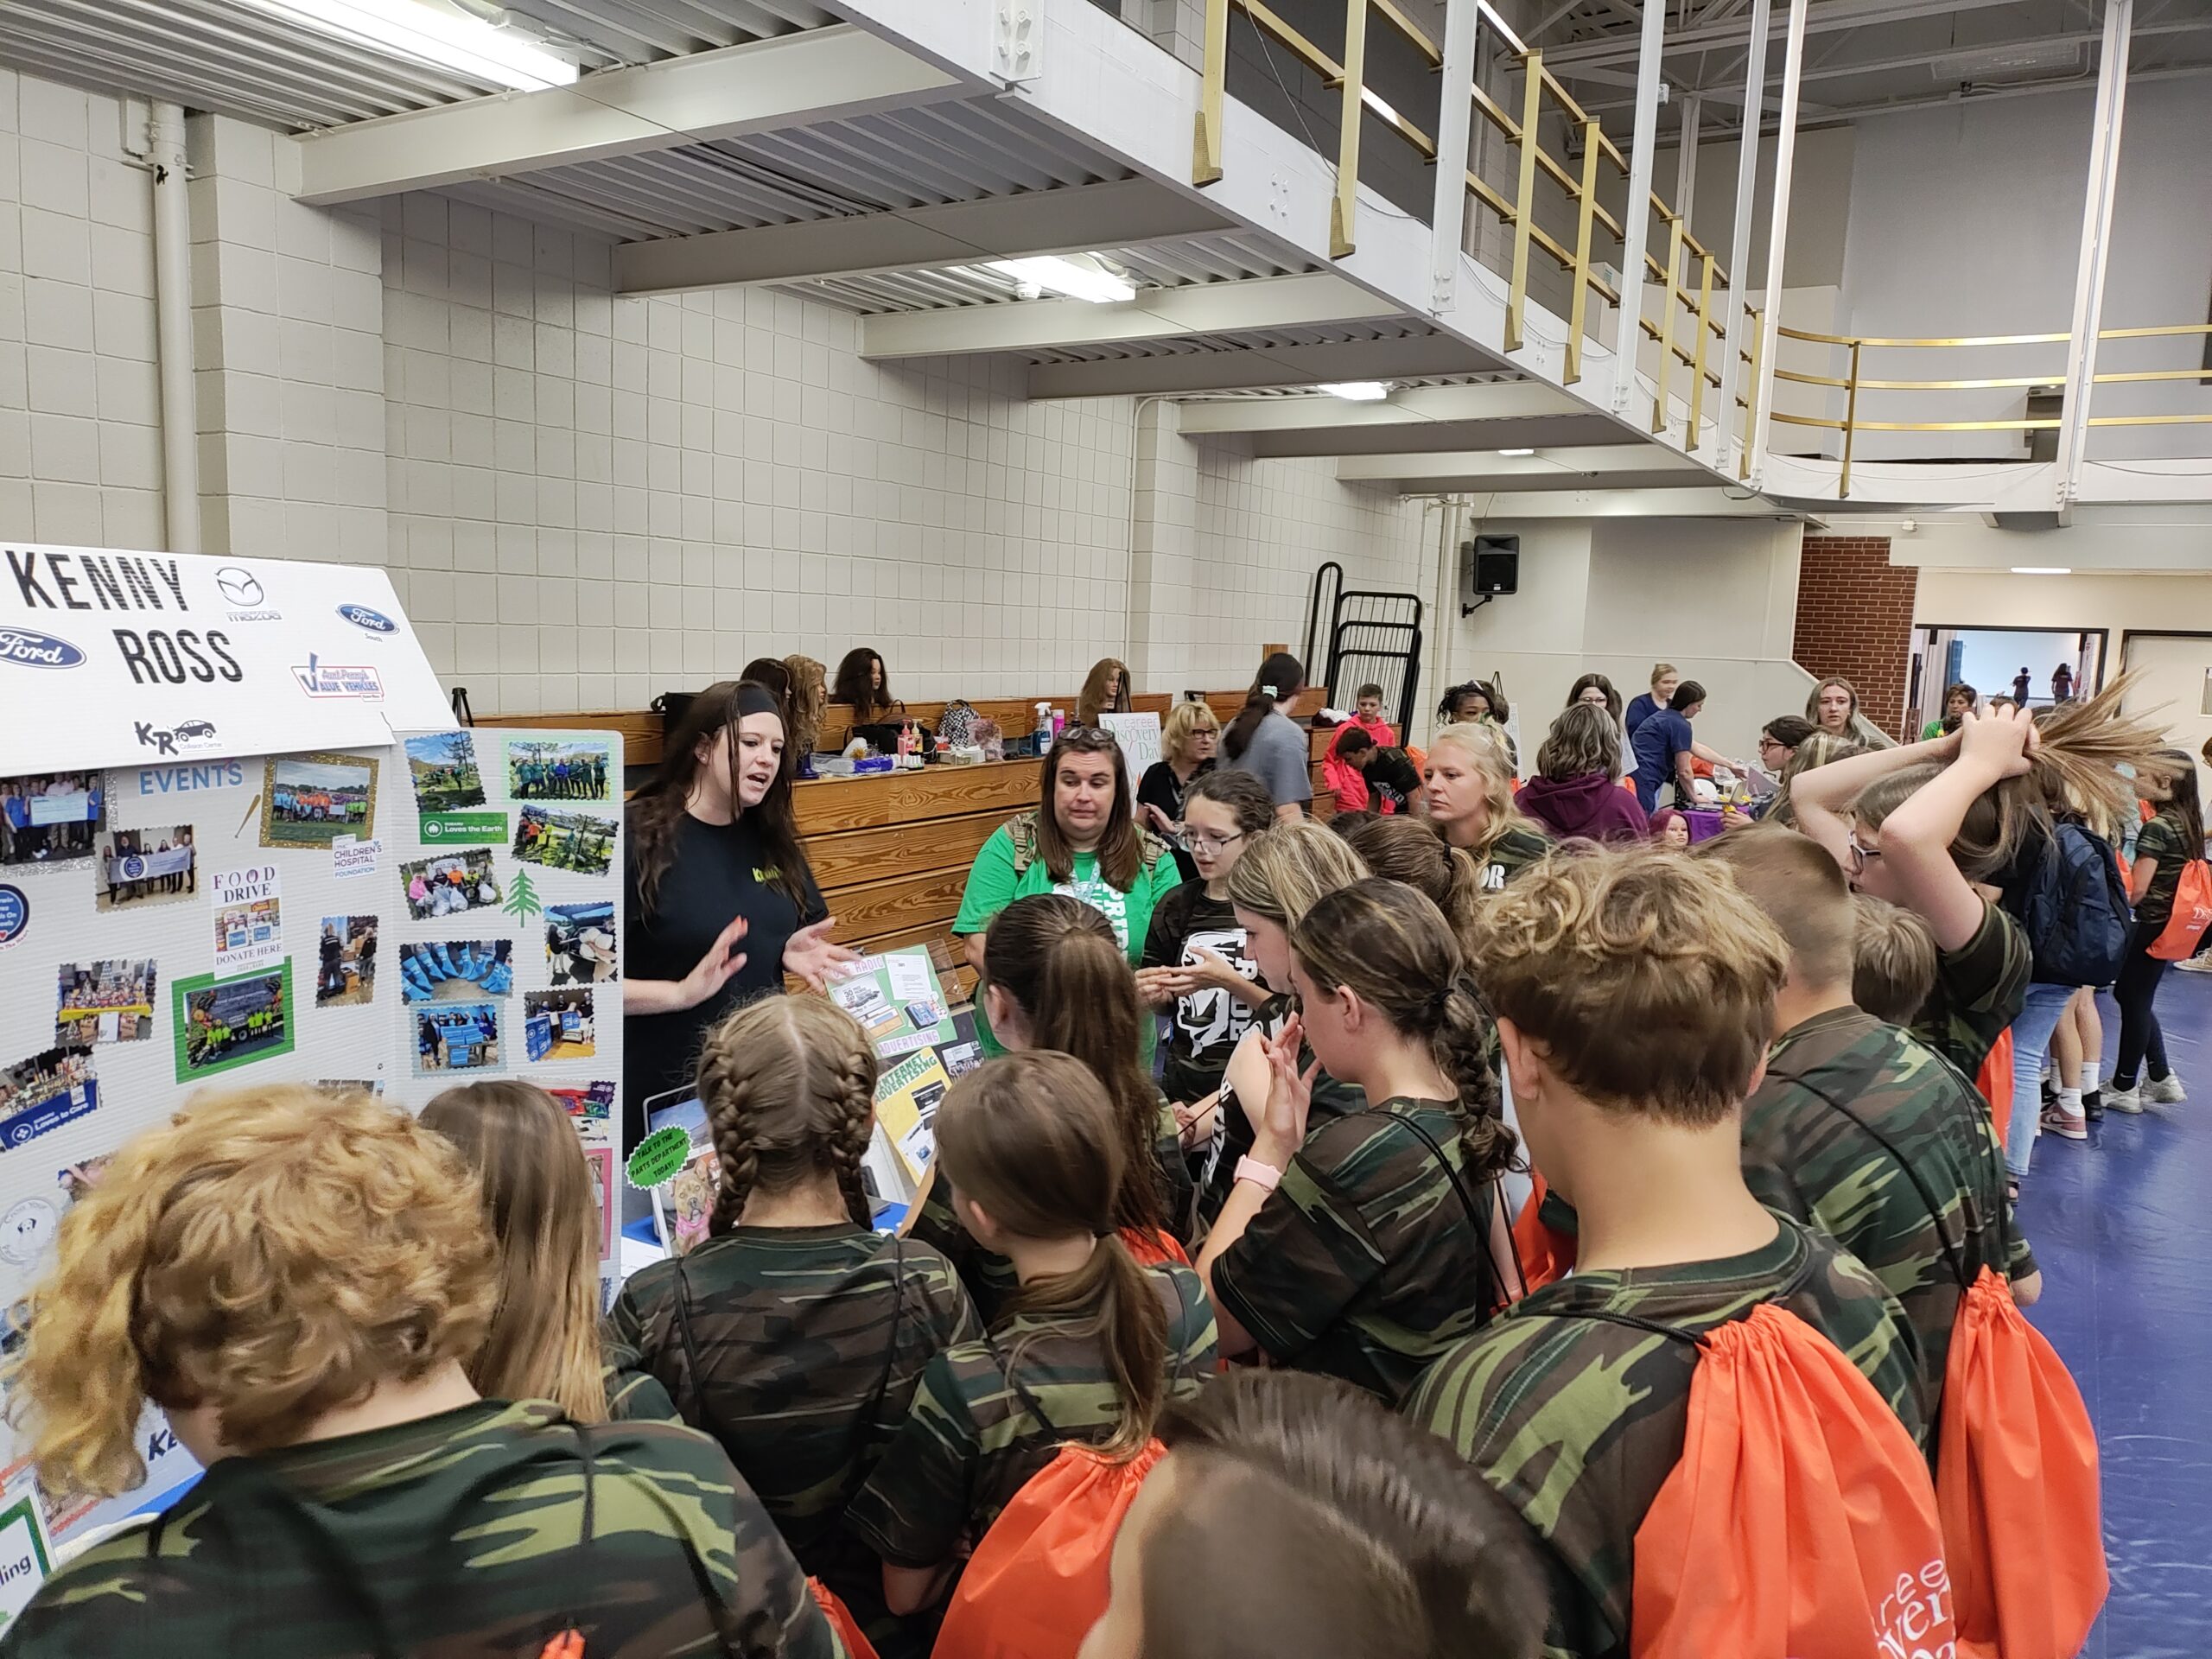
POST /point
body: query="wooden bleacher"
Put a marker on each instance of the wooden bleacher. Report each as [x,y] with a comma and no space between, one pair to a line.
[891,851]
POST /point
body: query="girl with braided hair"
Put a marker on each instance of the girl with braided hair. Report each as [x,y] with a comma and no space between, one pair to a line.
[793,1335]
[1390,1243]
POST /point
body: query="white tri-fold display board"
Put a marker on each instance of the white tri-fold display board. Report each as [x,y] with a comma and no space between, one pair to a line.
[242,842]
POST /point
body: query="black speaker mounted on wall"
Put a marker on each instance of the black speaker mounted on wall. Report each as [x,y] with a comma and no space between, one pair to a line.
[1489,565]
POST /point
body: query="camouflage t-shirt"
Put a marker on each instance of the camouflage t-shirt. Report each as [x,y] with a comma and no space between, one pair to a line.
[1979,991]
[459,1533]
[1512,853]
[973,1438]
[803,1371]
[2163,838]
[1578,1422]
[1805,1158]
[1365,1263]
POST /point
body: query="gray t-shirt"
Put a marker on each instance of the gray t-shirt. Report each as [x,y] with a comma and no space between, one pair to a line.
[1278,757]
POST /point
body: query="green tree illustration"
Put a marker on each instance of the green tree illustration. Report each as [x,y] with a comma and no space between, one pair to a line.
[523,902]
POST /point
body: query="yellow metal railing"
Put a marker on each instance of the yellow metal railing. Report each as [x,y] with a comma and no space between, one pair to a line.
[1852,382]
[1688,289]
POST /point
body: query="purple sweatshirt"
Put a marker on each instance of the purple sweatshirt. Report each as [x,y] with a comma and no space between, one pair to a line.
[1592,805]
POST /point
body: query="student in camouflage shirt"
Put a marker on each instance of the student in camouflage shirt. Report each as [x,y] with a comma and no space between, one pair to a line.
[1635,992]
[1860,1129]
[1366,1247]
[1087,1351]
[794,1335]
[359,1499]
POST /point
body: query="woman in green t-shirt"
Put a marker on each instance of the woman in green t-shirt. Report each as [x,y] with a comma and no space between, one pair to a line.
[1082,840]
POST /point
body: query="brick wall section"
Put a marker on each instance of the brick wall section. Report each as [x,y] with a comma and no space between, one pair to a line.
[1854,618]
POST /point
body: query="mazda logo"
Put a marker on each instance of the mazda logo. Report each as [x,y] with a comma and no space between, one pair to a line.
[239,587]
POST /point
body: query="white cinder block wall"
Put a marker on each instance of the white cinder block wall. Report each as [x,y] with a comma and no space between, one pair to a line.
[585,500]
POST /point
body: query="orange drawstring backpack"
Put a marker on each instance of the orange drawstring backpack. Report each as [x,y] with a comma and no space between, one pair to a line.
[2185,930]
[1995,1082]
[2016,1470]
[1547,1252]
[1800,1520]
[857,1645]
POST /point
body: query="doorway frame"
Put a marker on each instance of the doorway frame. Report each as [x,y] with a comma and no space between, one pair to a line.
[2129,634]
[1921,632]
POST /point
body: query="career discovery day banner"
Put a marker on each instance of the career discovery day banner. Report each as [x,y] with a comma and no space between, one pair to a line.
[160,657]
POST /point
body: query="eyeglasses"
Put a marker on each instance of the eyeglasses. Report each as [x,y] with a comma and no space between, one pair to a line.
[1201,842]
[1860,854]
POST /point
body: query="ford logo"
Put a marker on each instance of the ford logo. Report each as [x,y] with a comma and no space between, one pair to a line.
[32,650]
[362,617]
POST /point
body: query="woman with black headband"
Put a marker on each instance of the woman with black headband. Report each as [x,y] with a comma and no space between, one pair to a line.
[720,903]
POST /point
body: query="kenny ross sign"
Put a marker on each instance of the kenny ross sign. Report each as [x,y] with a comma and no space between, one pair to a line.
[111,657]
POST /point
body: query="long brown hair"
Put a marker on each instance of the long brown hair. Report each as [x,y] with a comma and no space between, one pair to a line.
[1404,849]
[658,809]
[543,1343]
[1120,853]
[1094,700]
[789,1087]
[1032,1140]
[2075,767]
[1583,739]
[2185,806]
[1392,945]
[1058,958]
[1281,678]
[855,685]
[809,698]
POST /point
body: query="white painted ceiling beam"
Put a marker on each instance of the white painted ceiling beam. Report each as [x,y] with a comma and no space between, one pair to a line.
[1715,502]
[1251,369]
[1546,469]
[1507,401]
[1125,213]
[808,77]
[1267,302]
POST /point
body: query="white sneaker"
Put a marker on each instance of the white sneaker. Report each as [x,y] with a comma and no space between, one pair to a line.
[2164,1092]
[2200,964]
[2124,1100]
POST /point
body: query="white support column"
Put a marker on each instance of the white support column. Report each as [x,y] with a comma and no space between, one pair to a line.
[1739,240]
[1636,216]
[1686,159]
[2096,239]
[1448,217]
[1785,159]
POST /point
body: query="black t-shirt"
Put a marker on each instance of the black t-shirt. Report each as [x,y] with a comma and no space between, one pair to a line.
[1160,788]
[1390,771]
[1208,1024]
[717,874]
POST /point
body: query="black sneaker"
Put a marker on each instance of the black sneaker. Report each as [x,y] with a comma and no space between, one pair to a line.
[2093,1105]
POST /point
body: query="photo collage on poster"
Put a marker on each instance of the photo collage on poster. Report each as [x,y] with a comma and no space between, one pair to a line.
[395,921]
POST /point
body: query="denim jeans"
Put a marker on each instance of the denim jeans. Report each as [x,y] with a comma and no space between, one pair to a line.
[2039,1016]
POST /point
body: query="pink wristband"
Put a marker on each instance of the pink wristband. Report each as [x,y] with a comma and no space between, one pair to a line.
[1265,1177]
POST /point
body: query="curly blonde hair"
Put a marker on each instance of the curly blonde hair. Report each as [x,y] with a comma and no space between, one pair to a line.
[276,1253]
[789,1086]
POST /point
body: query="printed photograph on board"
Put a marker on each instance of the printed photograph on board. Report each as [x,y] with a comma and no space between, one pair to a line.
[443,768]
[343,1086]
[346,962]
[44,1092]
[565,841]
[557,1025]
[249,935]
[456,1037]
[457,971]
[591,1104]
[561,769]
[140,868]
[448,884]
[109,1001]
[78,1179]
[309,800]
[580,945]
[222,1024]
[51,817]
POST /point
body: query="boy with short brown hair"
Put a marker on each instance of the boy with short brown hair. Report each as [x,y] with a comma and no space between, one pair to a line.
[1635,993]
[1860,1129]
[1893,960]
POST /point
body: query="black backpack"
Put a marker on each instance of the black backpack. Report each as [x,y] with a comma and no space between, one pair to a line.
[2073,906]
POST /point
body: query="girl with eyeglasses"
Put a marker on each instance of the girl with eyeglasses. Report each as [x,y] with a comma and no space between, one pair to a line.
[1196,960]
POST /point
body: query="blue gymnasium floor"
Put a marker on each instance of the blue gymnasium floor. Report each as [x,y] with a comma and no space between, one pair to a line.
[2120,1227]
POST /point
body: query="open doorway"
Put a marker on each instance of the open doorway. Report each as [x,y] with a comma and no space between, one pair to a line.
[2172,684]
[2000,662]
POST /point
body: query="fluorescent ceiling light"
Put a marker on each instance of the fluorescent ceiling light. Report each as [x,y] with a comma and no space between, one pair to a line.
[1081,277]
[1357,391]
[1517,452]
[2043,569]
[431,34]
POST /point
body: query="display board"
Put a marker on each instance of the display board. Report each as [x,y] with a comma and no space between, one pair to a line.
[1139,738]
[432,910]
